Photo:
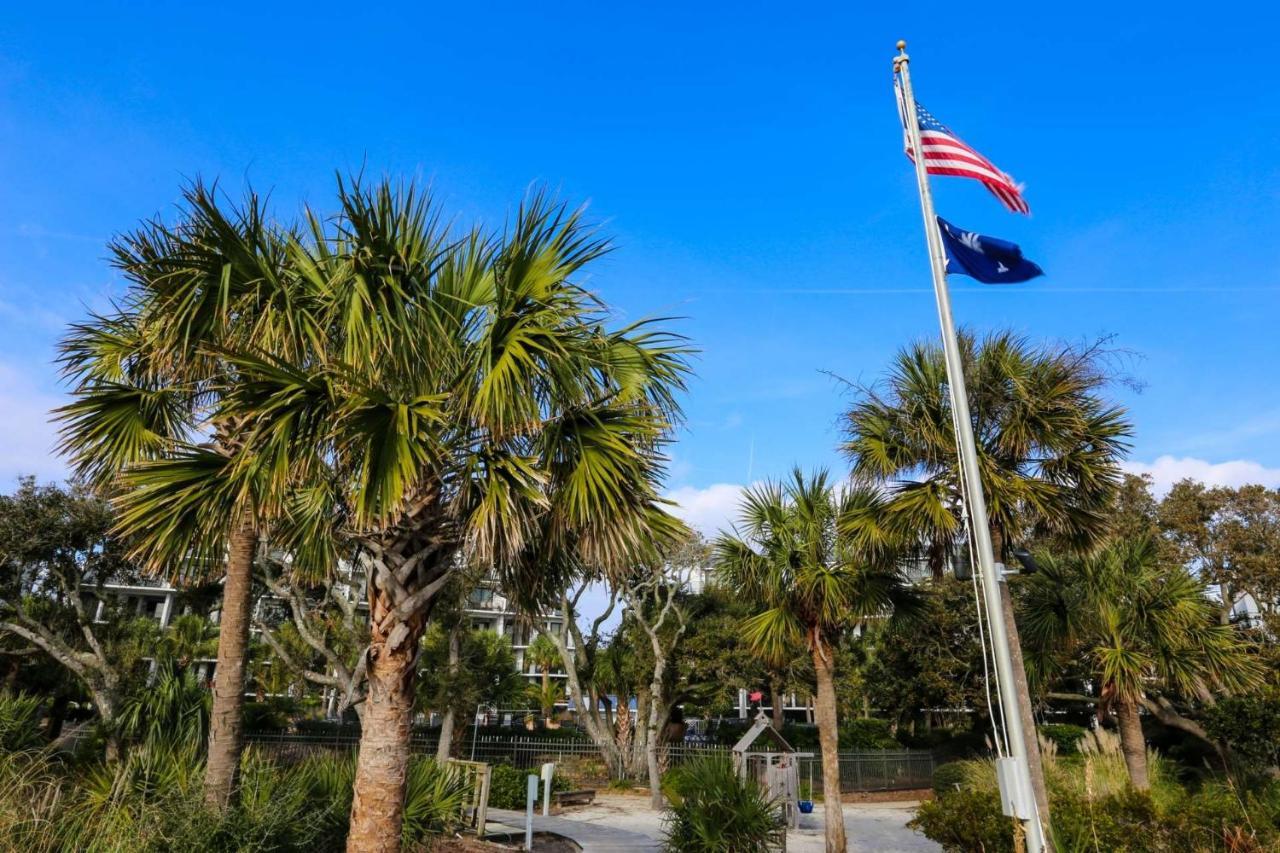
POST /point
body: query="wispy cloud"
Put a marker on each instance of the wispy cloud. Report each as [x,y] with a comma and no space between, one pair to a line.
[39,232]
[709,510]
[27,438]
[714,508]
[1261,425]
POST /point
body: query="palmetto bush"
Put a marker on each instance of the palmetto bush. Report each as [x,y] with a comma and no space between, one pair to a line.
[715,810]
[19,722]
[173,707]
[433,801]
[151,801]
[1095,807]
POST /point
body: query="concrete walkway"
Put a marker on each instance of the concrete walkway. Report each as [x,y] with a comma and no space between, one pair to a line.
[594,833]
[616,823]
[879,827]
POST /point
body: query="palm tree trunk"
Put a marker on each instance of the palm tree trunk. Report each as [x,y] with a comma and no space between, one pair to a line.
[226,718]
[829,741]
[377,808]
[775,700]
[622,728]
[546,696]
[639,736]
[1132,743]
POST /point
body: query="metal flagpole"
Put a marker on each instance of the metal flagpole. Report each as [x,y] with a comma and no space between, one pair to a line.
[1016,786]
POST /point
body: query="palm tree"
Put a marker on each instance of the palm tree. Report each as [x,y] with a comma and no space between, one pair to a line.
[543,654]
[613,675]
[1048,444]
[447,402]
[1143,626]
[810,585]
[147,425]
[188,638]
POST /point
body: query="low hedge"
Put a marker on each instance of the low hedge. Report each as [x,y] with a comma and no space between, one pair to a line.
[1063,735]
[508,786]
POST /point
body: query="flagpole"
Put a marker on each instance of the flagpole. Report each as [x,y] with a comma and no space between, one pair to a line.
[975,501]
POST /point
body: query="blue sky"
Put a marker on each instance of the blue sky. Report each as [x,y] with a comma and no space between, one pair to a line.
[747,160]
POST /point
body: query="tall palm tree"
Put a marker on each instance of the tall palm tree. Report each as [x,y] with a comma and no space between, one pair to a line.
[809,585]
[1144,626]
[147,423]
[1049,447]
[543,654]
[450,401]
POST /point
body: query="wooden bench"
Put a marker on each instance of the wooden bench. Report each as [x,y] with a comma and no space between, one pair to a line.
[573,798]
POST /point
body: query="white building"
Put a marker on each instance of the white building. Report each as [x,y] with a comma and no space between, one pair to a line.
[487,609]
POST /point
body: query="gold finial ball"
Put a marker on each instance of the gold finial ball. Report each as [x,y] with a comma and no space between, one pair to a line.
[902,45]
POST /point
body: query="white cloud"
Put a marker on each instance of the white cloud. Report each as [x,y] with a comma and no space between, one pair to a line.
[709,510]
[27,438]
[1167,470]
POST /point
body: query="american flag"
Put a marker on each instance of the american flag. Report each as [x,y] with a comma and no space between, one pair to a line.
[947,154]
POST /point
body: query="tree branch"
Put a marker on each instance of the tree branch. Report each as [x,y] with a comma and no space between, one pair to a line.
[310,675]
[50,645]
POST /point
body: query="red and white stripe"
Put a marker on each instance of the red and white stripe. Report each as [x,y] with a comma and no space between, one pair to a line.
[945,154]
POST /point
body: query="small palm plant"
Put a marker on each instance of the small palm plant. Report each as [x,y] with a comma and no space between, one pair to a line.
[543,654]
[810,585]
[189,638]
[716,809]
[1145,628]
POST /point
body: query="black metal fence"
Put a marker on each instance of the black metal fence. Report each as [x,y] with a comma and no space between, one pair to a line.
[874,770]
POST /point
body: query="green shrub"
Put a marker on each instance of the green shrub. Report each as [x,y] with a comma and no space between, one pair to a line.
[966,820]
[1250,725]
[1125,821]
[152,801]
[174,706]
[433,801]
[1065,736]
[273,715]
[1094,808]
[507,786]
[946,777]
[867,733]
[20,722]
[948,744]
[714,809]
